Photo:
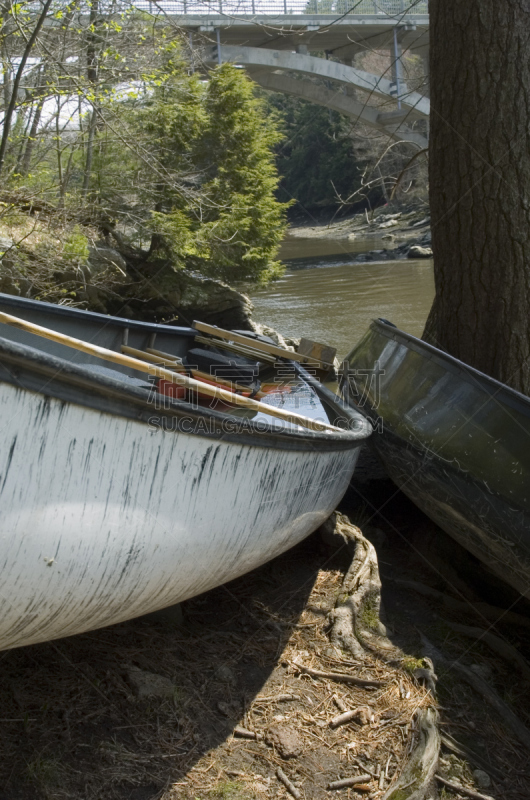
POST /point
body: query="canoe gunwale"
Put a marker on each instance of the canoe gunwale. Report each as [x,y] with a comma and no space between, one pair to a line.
[471,375]
[27,304]
[487,516]
[24,367]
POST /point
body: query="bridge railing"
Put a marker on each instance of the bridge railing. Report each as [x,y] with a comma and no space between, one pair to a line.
[380,8]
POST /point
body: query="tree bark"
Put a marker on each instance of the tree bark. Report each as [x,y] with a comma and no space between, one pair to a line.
[92,75]
[8,116]
[480,184]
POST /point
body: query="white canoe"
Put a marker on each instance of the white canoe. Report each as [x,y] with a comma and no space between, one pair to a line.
[112,508]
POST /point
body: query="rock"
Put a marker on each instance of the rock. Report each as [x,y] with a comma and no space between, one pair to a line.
[101,257]
[388,224]
[275,337]
[363,715]
[149,684]
[286,740]
[416,251]
[187,297]
[5,244]
[482,779]
[424,221]
[225,674]
[390,236]
[230,710]
[352,236]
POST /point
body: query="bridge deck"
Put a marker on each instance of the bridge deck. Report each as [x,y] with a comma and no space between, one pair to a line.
[318,32]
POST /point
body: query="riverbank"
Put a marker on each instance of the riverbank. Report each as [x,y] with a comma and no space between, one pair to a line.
[404,234]
[213,705]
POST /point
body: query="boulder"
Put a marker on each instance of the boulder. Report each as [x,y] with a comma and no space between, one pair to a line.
[149,684]
[186,296]
[101,257]
[416,251]
[5,244]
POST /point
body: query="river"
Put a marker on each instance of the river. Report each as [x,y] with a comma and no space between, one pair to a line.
[326,297]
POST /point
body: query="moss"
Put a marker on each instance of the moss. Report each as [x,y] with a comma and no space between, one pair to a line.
[231,790]
[409,664]
[403,794]
[44,772]
[369,615]
[415,778]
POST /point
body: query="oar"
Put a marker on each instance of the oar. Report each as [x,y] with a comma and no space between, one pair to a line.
[170,375]
[174,363]
[257,344]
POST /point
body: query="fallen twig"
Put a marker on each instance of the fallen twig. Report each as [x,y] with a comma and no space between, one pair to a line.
[342,719]
[341,677]
[279,698]
[345,782]
[245,734]
[339,702]
[291,788]
[456,787]
[355,715]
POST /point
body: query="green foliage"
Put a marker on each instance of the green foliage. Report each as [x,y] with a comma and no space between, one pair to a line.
[177,164]
[317,161]
[410,664]
[76,245]
[224,219]
[245,223]
[231,790]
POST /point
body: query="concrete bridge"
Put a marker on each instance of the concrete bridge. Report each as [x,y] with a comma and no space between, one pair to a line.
[274,39]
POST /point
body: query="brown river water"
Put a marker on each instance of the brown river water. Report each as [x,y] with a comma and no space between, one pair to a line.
[326,297]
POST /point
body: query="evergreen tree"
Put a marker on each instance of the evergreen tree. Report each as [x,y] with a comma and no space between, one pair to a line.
[317,161]
[244,221]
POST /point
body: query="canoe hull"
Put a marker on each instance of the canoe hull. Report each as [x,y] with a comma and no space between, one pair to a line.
[116,518]
[454,441]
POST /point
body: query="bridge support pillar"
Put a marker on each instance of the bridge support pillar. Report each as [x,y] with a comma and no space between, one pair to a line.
[397,68]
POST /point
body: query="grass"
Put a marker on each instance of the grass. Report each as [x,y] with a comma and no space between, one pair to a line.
[231,790]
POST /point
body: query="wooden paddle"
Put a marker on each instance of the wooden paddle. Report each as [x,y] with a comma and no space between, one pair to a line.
[169,375]
[265,347]
[174,363]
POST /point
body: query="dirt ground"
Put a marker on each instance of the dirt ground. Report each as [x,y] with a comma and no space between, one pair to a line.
[85,718]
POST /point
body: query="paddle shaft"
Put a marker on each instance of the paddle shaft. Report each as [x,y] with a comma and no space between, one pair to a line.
[160,372]
[174,363]
[257,344]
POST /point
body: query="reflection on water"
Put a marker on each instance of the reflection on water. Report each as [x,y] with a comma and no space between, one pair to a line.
[315,249]
[335,304]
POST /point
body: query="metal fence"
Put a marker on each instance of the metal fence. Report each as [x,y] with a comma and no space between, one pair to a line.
[394,9]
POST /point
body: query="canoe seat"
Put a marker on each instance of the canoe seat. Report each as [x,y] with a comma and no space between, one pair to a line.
[234,368]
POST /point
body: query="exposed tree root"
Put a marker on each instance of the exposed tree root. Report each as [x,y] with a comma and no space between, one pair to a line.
[416,780]
[483,610]
[484,689]
[356,625]
[498,645]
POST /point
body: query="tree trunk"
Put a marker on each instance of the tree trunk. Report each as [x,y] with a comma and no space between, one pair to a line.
[30,143]
[10,111]
[480,184]
[92,75]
